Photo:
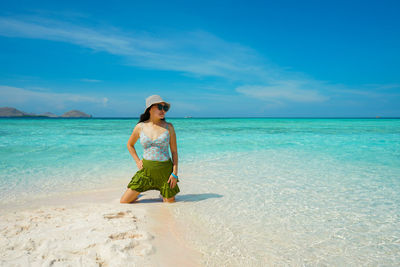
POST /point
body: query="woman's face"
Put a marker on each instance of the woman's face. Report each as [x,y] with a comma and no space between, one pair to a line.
[156,113]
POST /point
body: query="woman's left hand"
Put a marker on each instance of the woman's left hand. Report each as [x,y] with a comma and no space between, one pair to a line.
[172,181]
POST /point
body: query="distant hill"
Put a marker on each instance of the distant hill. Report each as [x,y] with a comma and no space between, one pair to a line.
[75,114]
[13,112]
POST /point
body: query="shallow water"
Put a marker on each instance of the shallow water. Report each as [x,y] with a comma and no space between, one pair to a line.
[259,191]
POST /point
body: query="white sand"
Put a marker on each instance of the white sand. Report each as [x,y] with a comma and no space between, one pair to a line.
[93,229]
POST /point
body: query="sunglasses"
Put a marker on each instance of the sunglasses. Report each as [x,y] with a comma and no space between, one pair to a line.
[162,107]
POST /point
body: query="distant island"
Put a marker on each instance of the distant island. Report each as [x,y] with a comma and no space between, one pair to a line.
[13,112]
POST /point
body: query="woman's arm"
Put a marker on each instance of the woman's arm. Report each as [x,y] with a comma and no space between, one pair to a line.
[131,145]
[174,149]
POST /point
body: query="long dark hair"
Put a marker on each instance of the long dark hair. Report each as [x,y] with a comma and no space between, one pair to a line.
[146,115]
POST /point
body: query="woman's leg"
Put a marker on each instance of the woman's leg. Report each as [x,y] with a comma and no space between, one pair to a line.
[170,200]
[129,196]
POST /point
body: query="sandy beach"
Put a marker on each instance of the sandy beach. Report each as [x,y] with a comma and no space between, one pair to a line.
[93,229]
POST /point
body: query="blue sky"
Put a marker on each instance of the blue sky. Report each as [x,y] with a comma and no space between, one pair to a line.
[207,58]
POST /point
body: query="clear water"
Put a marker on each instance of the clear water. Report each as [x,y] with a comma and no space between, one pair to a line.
[253,191]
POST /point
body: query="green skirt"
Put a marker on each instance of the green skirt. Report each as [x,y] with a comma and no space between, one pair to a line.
[154,176]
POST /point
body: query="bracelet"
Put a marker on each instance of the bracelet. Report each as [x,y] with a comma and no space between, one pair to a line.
[174,175]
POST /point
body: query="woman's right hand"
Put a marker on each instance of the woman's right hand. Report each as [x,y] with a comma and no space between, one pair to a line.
[139,164]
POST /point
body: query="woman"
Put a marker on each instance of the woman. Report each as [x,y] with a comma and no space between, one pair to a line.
[156,170]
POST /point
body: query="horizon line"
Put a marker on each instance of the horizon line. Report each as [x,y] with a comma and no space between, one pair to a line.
[219,117]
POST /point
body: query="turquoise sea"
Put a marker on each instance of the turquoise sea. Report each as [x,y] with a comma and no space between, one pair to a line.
[277,191]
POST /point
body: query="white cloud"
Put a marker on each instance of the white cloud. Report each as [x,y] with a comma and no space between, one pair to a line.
[15,96]
[195,53]
[293,91]
[91,80]
[384,86]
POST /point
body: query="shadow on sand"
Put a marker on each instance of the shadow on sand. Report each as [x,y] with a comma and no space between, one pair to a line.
[182,198]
